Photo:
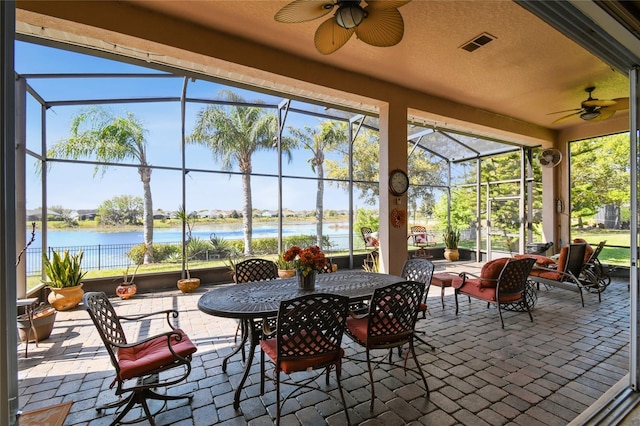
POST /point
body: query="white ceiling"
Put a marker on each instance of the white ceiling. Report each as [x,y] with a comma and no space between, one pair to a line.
[527,72]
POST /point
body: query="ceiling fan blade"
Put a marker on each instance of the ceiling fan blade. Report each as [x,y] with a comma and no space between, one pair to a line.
[566,110]
[330,36]
[621,104]
[386,4]
[381,28]
[566,117]
[303,11]
[604,114]
[598,103]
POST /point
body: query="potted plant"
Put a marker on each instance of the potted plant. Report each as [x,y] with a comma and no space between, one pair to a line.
[65,279]
[286,268]
[35,324]
[451,239]
[127,287]
[188,284]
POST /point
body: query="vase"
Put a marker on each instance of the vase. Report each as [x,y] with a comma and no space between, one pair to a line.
[65,298]
[306,283]
[286,273]
[125,291]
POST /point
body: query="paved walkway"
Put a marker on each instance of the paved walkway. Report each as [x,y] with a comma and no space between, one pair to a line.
[541,373]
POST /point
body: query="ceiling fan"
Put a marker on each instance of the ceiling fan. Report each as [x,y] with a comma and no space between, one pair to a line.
[379,23]
[595,109]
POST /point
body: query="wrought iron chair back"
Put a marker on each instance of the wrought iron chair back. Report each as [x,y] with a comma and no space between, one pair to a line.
[308,336]
[390,323]
[421,270]
[256,270]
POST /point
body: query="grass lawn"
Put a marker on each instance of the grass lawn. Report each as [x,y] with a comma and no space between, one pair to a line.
[616,251]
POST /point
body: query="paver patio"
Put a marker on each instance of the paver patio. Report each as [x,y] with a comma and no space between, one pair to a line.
[545,372]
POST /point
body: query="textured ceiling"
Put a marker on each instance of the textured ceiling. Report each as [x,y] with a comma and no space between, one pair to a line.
[529,71]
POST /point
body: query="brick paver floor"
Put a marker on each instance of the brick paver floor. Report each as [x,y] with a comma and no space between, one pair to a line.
[541,373]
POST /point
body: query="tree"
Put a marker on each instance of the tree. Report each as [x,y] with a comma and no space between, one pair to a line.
[96,132]
[66,215]
[234,133]
[600,176]
[326,137]
[122,210]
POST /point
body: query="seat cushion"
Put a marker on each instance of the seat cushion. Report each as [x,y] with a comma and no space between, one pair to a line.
[473,288]
[542,273]
[420,239]
[357,328]
[540,259]
[152,355]
[288,366]
[491,271]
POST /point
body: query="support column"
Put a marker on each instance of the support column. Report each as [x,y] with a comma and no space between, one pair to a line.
[8,335]
[393,155]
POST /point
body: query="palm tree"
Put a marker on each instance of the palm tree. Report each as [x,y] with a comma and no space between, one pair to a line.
[110,138]
[234,133]
[327,136]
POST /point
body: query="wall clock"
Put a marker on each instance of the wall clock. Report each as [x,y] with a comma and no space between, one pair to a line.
[398,182]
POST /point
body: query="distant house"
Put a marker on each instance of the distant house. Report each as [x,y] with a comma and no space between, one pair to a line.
[160,214]
[87,214]
[35,214]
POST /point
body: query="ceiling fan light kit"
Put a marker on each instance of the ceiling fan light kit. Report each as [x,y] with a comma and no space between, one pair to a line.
[378,24]
[350,15]
[590,115]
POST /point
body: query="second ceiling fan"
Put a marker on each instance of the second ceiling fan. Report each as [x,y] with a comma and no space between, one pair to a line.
[593,109]
[379,23]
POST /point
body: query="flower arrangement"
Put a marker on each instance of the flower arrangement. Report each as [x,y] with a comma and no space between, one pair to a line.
[306,260]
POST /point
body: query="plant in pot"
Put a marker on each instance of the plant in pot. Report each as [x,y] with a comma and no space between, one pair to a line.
[286,268]
[188,284]
[451,239]
[127,287]
[65,274]
[35,324]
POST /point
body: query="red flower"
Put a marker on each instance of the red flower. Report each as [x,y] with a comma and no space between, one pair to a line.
[306,260]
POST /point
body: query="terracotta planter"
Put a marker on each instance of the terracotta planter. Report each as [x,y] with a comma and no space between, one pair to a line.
[188,285]
[43,323]
[286,273]
[125,291]
[66,298]
[451,254]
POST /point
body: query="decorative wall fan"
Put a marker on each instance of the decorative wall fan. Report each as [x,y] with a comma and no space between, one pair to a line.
[595,109]
[379,23]
[550,157]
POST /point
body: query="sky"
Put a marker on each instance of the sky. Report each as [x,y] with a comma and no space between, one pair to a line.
[82,187]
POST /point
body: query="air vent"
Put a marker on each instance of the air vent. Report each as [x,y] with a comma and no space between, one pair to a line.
[477,42]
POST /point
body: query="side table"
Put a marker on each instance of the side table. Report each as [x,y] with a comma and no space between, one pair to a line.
[28,305]
[443,280]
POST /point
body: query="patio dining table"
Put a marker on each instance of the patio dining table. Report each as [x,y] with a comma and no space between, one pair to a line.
[253,301]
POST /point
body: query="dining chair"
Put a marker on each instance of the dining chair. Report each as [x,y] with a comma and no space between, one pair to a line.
[247,271]
[138,365]
[421,270]
[390,323]
[307,337]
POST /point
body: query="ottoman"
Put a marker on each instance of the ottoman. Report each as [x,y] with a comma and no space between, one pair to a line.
[443,280]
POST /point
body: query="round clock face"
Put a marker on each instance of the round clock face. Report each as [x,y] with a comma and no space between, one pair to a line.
[398,182]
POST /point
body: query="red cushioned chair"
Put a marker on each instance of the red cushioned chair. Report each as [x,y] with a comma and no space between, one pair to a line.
[389,324]
[140,362]
[307,337]
[501,281]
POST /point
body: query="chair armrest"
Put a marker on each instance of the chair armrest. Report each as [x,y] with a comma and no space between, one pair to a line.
[463,275]
[168,312]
